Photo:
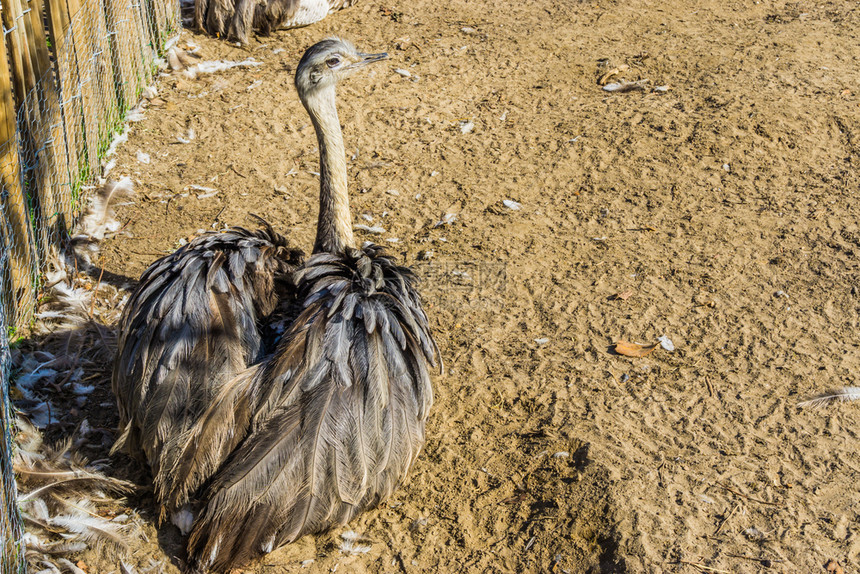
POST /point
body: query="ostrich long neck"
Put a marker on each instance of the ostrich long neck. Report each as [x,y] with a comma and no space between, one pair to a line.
[334,228]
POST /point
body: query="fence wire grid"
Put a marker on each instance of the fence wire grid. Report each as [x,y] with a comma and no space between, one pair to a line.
[73,68]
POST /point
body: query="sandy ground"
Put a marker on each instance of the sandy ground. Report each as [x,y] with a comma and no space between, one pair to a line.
[726,205]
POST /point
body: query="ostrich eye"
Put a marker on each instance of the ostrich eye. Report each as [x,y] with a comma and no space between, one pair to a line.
[333,62]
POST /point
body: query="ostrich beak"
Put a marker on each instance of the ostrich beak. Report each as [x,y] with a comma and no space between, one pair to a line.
[369,59]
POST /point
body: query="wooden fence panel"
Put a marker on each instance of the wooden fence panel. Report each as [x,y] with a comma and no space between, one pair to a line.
[107,105]
[40,158]
[125,43]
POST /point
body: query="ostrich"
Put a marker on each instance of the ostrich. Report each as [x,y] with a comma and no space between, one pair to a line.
[329,423]
[236,18]
[337,412]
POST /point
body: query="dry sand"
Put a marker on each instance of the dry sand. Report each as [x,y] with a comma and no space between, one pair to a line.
[728,205]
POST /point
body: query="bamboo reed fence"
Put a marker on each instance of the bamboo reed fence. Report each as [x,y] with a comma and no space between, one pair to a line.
[72,70]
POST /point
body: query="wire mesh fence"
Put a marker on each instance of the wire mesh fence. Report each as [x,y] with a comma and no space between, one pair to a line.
[73,68]
[12,555]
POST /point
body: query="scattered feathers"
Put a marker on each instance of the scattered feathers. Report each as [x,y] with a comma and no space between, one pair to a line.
[187,138]
[118,140]
[369,229]
[99,221]
[135,114]
[60,497]
[181,61]
[100,218]
[66,502]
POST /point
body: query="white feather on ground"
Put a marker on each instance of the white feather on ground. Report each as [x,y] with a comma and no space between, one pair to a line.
[100,218]
[352,543]
[117,140]
[75,301]
[187,138]
[136,114]
[67,303]
[214,66]
[99,221]
[844,394]
[180,60]
[33,373]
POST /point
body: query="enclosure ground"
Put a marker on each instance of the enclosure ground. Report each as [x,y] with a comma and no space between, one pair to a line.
[724,210]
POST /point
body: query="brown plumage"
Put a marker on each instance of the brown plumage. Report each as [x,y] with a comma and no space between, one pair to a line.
[323,428]
[235,19]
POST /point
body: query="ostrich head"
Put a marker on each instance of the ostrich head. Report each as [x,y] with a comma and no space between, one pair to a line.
[327,62]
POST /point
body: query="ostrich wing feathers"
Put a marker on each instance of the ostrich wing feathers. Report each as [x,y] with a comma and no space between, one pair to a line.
[342,419]
[188,330]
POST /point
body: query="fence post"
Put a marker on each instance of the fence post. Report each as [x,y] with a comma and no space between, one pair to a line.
[58,26]
[125,43]
[28,68]
[107,108]
[81,49]
[18,287]
[49,149]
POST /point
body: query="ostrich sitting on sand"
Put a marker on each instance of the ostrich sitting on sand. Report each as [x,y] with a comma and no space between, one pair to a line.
[321,429]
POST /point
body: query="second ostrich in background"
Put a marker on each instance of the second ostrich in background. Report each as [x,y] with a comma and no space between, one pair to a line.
[235,19]
[338,411]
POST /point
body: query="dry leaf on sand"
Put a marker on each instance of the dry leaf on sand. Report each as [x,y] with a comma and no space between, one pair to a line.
[633,349]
